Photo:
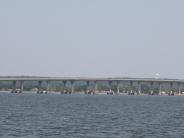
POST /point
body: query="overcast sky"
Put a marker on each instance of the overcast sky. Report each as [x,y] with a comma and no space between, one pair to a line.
[92,38]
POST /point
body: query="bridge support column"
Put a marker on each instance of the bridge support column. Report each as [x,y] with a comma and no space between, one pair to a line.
[39,87]
[21,86]
[14,83]
[131,90]
[72,86]
[171,89]
[87,88]
[64,86]
[179,88]
[139,88]
[110,85]
[48,86]
[151,88]
[111,89]
[118,85]
[96,87]
[160,87]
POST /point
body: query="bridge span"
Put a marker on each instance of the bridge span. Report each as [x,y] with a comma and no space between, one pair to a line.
[175,85]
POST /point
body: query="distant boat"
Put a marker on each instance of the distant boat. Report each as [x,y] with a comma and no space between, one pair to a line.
[110,92]
[16,91]
[42,92]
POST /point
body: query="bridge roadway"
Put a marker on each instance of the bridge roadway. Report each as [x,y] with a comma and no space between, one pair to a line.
[72,80]
[29,78]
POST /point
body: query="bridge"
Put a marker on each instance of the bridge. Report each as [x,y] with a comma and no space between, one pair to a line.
[18,82]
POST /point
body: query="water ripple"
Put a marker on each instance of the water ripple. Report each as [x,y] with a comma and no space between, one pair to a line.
[81,116]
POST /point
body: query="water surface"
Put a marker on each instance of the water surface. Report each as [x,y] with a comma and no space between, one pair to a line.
[93,116]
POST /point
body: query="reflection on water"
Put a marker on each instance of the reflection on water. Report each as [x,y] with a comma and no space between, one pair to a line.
[54,115]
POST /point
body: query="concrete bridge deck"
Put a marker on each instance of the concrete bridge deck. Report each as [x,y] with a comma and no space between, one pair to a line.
[33,78]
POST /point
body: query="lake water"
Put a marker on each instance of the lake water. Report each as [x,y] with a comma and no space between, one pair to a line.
[90,116]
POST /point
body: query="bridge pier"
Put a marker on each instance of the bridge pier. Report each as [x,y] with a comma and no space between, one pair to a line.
[72,86]
[171,85]
[21,86]
[40,89]
[47,86]
[96,87]
[139,88]
[131,91]
[64,87]
[118,85]
[179,88]
[160,87]
[87,91]
[151,88]
[110,83]
[14,83]
[171,93]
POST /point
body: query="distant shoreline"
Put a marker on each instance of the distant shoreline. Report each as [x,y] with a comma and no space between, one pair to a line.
[82,93]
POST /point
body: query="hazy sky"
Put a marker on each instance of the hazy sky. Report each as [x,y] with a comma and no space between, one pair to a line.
[92,38]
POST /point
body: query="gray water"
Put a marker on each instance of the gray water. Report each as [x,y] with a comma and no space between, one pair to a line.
[90,116]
